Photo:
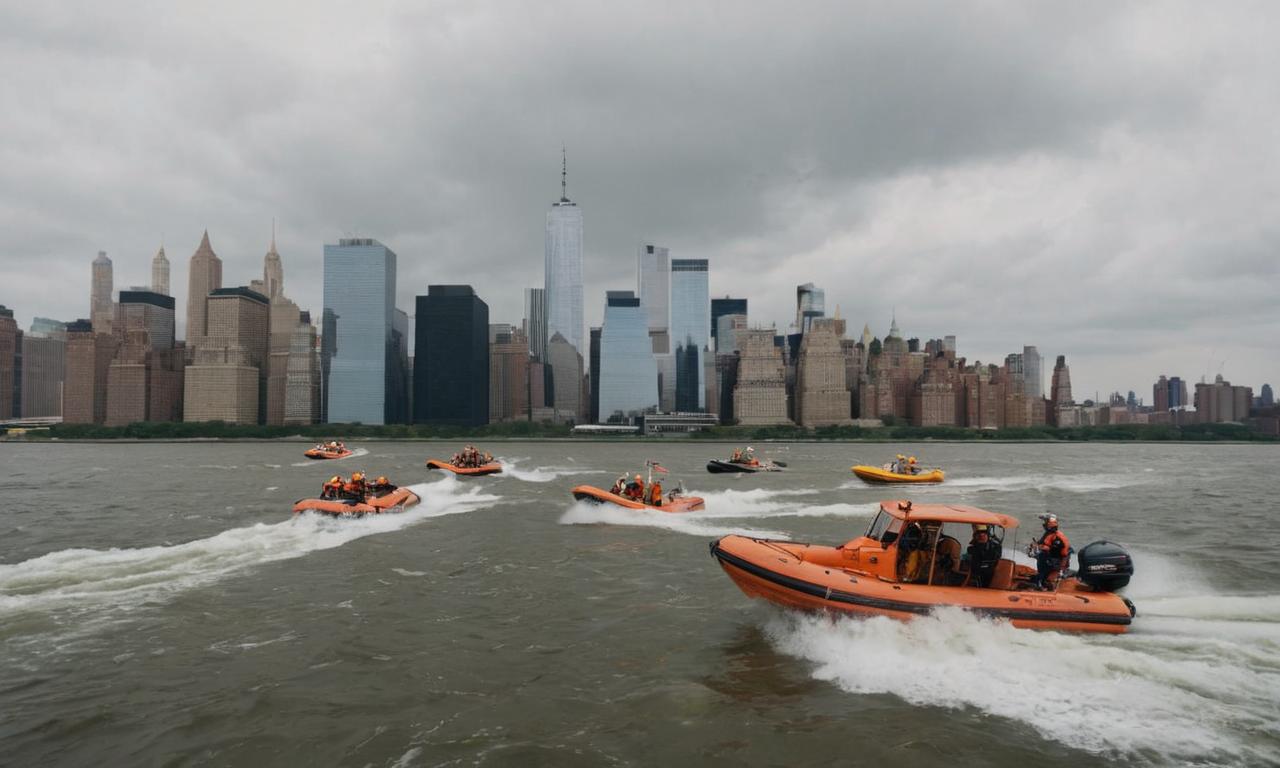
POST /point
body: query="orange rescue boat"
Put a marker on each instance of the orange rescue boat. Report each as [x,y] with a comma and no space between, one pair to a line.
[395,499]
[491,468]
[910,561]
[326,453]
[674,503]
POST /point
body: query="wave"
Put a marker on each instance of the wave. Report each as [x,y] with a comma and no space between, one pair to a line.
[1132,696]
[763,502]
[537,474]
[93,581]
[587,513]
[1071,483]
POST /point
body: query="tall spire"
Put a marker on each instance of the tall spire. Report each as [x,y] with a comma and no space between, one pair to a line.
[273,235]
[564,174]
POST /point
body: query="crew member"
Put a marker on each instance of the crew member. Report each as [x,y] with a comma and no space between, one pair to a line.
[655,494]
[983,554]
[1052,551]
[355,487]
[332,487]
[635,489]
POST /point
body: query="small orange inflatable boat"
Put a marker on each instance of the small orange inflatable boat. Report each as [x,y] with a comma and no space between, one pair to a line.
[911,561]
[325,453]
[491,468]
[673,504]
[393,500]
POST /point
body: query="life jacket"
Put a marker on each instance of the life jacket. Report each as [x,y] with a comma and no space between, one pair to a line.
[655,494]
[1054,544]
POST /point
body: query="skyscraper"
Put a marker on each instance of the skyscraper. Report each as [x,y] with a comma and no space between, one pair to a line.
[628,377]
[1266,397]
[160,273]
[302,379]
[720,308]
[564,268]
[593,376]
[1060,391]
[88,361]
[358,323]
[822,396]
[100,309]
[810,304]
[203,277]
[451,357]
[653,278]
[10,367]
[1032,371]
[272,271]
[226,380]
[508,374]
[566,379]
[535,322]
[760,392]
[690,330]
[43,359]
[145,379]
[1160,394]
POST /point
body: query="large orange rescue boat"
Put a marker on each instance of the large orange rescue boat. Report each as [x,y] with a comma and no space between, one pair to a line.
[911,561]
[490,468]
[378,502]
[673,503]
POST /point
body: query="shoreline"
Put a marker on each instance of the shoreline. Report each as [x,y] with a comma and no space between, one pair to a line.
[24,440]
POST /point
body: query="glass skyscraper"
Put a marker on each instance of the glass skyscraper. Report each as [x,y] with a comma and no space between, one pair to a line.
[535,318]
[360,354]
[720,308]
[810,305]
[564,270]
[628,383]
[690,329]
[653,272]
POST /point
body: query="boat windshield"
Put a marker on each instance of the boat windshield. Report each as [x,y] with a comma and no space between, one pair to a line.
[884,528]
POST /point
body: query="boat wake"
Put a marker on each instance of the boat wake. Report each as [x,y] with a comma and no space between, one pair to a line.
[87,584]
[1194,681]
[763,502]
[587,513]
[511,468]
[1041,483]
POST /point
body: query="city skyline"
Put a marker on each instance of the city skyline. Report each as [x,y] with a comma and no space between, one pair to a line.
[1113,207]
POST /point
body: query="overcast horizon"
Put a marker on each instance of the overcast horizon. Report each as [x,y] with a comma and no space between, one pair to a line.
[1099,181]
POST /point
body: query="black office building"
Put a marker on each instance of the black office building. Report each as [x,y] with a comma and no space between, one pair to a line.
[451,357]
[594,376]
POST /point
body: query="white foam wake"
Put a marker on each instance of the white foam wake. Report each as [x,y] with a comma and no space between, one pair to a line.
[588,513]
[1120,696]
[511,468]
[1194,680]
[93,580]
[763,502]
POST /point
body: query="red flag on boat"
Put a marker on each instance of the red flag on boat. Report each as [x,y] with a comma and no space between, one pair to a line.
[657,467]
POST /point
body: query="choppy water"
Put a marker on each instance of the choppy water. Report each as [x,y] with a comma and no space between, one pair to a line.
[159,605]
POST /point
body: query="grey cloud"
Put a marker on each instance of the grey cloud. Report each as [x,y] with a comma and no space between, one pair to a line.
[1013,174]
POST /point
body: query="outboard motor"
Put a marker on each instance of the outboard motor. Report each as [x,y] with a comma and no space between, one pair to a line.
[1104,566]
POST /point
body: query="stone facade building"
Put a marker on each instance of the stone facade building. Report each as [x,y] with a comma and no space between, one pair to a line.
[43,364]
[144,380]
[822,396]
[508,375]
[567,396]
[10,365]
[204,276]
[88,362]
[302,375]
[760,394]
[226,380]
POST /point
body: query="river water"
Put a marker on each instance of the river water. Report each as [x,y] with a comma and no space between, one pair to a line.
[159,605]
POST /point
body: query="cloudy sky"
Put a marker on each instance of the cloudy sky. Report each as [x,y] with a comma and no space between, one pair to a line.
[1101,180]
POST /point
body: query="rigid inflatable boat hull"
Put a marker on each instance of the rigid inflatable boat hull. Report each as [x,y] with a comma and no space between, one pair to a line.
[716,466]
[396,501]
[598,496]
[315,454]
[879,475]
[808,578]
[492,468]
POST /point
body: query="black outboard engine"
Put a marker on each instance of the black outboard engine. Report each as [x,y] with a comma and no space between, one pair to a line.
[1104,566]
